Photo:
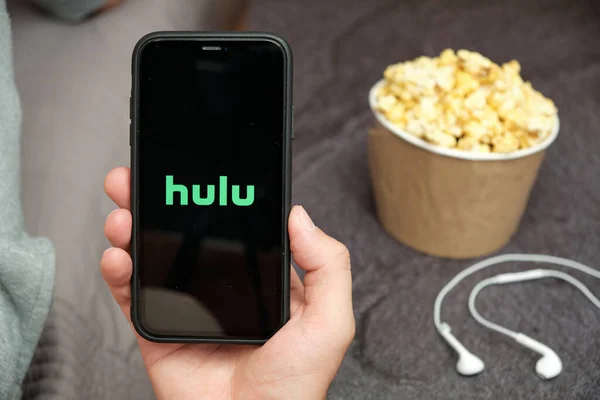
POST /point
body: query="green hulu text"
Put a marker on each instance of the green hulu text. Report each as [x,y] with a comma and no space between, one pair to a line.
[172,188]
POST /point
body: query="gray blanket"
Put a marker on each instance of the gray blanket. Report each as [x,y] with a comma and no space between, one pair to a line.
[341,48]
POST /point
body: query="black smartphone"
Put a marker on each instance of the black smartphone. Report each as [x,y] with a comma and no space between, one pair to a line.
[211,130]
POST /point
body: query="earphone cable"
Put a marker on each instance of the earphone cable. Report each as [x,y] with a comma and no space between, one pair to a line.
[546,273]
[538,258]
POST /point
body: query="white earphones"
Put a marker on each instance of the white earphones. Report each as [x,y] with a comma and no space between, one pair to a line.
[549,365]
[468,363]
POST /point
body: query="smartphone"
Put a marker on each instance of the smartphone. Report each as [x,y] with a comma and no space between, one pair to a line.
[211,130]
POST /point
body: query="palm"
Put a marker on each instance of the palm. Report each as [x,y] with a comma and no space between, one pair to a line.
[193,371]
[181,371]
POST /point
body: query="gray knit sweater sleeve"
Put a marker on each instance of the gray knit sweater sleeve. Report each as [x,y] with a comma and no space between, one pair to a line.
[26,263]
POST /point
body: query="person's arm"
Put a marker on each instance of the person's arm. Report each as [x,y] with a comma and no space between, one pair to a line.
[26,264]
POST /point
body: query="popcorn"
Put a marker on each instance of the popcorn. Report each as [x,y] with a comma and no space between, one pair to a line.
[463,100]
[472,144]
[474,63]
[396,113]
[441,139]
[476,100]
[465,83]
[448,57]
[505,143]
[386,103]
[475,129]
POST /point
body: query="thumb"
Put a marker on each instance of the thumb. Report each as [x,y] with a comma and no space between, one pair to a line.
[328,280]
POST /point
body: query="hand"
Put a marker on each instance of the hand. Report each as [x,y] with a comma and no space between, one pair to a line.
[298,362]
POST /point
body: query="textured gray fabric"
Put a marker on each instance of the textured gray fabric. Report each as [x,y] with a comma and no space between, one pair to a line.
[74,81]
[341,48]
[26,263]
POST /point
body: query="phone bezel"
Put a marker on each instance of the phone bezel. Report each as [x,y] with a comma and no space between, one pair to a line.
[134,140]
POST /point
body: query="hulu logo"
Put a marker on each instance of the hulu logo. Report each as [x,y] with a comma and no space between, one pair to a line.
[209,199]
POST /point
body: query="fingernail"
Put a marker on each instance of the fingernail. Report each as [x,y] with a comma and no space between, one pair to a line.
[305,220]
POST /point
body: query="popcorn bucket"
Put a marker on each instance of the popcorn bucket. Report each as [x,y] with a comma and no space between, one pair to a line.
[448,202]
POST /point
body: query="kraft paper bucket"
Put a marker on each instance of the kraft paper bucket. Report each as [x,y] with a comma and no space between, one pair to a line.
[447,202]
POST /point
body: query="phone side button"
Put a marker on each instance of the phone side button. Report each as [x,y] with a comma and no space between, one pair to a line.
[130,118]
[293,122]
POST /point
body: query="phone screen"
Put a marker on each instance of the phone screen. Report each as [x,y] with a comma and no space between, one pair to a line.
[211,181]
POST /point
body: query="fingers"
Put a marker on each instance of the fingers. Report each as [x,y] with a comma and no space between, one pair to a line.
[328,281]
[117,186]
[117,228]
[116,267]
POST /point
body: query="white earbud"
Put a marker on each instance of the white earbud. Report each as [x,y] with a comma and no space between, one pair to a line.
[547,367]
[468,364]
